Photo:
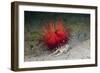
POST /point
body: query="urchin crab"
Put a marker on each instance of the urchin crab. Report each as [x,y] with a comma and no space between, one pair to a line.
[56,37]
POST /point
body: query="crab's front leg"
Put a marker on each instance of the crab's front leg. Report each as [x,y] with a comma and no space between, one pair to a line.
[62,50]
[55,52]
[59,52]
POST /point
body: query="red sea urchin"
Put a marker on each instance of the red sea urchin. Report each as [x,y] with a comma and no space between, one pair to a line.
[55,35]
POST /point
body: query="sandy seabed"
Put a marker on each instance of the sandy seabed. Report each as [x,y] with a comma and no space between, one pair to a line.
[77,50]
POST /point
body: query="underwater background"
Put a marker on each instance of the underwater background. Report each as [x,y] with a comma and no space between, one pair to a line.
[79,25]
